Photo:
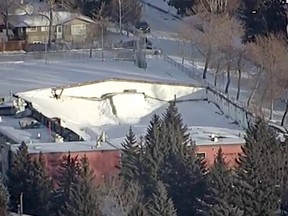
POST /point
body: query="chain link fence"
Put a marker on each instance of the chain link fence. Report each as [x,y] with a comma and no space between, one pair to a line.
[228,105]
[74,55]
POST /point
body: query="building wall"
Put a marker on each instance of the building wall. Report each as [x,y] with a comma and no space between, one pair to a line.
[72,36]
[103,163]
[230,152]
[39,34]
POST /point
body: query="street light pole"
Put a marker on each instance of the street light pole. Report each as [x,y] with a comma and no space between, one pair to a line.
[120,15]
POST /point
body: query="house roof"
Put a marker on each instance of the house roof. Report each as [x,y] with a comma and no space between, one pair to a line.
[42,19]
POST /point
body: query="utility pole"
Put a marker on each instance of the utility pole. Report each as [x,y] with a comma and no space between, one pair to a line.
[120,15]
[102,40]
[21,205]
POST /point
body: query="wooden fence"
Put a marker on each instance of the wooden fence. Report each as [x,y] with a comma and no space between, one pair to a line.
[10,46]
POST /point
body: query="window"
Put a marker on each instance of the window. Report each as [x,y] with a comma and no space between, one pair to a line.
[201,155]
[45,28]
[31,29]
[78,29]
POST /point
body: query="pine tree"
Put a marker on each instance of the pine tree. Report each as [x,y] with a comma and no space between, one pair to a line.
[263,17]
[170,157]
[257,186]
[30,178]
[176,132]
[67,176]
[218,201]
[182,171]
[130,157]
[138,209]
[40,189]
[19,175]
[83,198]
[161,204]
[4,198]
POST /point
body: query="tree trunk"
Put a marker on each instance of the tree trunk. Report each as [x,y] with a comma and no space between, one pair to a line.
[207,61]
[255,88]
[216,73]
[284,115]
[271,109]
[228,78]
[7,24]
[239,84]
[50,27]
[262,99]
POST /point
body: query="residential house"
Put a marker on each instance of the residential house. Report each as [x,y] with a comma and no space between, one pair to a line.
[66,27]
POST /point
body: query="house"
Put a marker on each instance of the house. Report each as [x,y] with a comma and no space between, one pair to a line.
[66,27]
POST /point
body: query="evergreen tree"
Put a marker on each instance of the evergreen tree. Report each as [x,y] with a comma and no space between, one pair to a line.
[170,157]
[37,200]
[263,17]
[18,175]
[258,185]
[176,131]
[138,209]
[130,157]
[4,198]
[218,201]
[161,204]
[182,6]
[182,171]
[67,177]
[83,198]
[29,177]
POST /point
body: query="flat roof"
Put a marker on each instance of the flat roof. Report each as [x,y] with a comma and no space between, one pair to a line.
[9,126]
[202,136]
[65,147]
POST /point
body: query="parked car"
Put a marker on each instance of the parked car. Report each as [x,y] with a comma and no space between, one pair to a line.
[143,26]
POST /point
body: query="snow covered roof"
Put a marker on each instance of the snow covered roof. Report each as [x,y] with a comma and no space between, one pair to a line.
[65,147]
[9,126]
[201,136]
[114,105]
[42,19]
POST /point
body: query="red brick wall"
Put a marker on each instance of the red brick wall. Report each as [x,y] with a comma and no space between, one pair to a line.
[230,152]
[103,163]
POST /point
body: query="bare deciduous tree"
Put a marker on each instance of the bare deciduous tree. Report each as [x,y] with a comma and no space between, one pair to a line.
[232,33]
[128,11]
[270,53]
[102,22]
[220,6]
[118,200]
[217,33]
[5,8]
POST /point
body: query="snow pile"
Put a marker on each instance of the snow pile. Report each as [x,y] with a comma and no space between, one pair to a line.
[95,105]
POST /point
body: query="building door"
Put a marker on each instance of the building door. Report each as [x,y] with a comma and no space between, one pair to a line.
[59,32]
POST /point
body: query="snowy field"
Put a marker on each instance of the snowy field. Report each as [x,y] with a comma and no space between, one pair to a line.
[35,74]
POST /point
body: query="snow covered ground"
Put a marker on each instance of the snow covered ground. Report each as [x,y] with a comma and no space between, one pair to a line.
[35,74]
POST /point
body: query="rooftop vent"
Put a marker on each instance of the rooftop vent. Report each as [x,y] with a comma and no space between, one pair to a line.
[214,138]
